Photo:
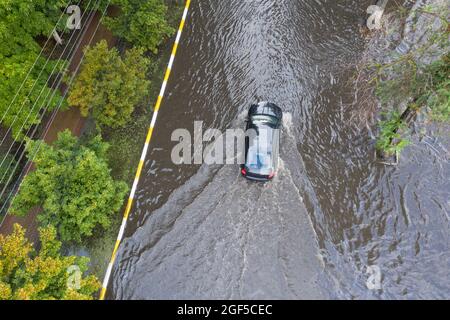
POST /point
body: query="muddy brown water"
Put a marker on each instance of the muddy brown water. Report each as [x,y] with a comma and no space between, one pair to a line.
[199,232]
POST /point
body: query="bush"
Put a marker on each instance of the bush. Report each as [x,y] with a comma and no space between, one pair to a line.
[142,23]
[44,275]
[423,85]
[390,141]
[110,87]
[73,184]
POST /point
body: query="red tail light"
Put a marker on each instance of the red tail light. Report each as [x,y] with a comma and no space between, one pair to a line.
[272,175]
[244,172]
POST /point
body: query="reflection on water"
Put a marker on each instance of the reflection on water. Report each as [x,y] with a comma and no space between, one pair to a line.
[333,211]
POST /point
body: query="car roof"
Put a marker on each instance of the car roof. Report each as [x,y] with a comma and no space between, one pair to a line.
[260,148]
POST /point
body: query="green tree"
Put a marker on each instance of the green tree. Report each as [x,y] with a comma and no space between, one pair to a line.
[73,185]
[110,87]
[142,23]
[22,111]
[45,275]
[21,23]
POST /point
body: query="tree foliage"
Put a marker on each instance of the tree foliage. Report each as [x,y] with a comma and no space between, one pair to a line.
[110,87]
[142,23]
[21,23]
[73,185]
[45,275]
[21,112]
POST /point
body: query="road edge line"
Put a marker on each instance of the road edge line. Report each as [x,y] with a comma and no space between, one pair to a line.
[144,151]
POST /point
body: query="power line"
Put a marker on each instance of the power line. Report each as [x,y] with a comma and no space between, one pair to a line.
[32,67]
[49,123]
[31,91]
[53,116]
[45,99]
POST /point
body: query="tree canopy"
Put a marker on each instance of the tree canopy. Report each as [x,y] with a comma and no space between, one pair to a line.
[45,275]
[21,112]
[110,87]
[22,22]
[142,23]
[73,185]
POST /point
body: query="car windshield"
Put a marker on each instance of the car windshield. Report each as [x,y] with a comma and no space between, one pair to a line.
[260,152]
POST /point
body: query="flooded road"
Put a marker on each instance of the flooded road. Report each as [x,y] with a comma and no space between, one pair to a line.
[200,232]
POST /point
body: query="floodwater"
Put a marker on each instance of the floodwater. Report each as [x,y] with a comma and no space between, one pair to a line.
[332,218]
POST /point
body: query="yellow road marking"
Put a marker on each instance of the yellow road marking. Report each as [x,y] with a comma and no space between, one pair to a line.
[144,154]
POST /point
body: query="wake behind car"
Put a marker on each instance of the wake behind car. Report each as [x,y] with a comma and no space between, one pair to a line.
[262,143]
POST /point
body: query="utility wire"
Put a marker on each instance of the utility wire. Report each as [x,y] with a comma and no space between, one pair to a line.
[54,92]
[52,118]
[36,101]
[43,103]
[27,167]
[35,61]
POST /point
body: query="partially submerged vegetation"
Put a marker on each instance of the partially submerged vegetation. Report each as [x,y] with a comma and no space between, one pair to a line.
[390,141]
[424,87]
[414,81]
